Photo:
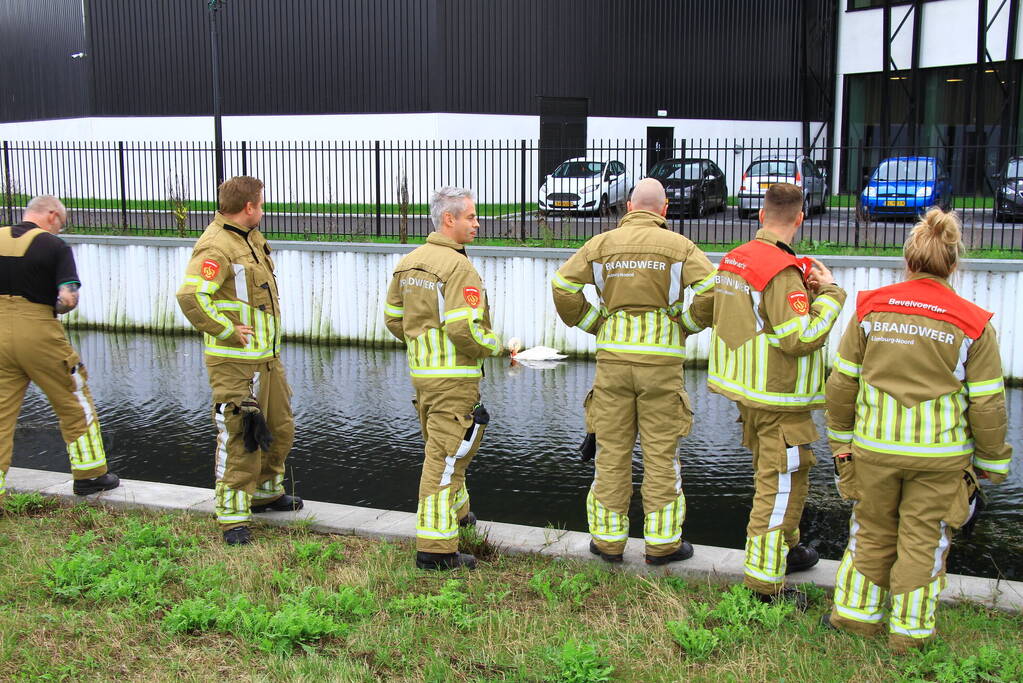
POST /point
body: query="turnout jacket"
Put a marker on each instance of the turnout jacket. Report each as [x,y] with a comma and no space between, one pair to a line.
[640,270]
[917,383]
[230,281]
[437,305]
[766,347]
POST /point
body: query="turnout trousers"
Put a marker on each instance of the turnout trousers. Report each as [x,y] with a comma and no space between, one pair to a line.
[452,437]
[899,536]
[34,348]
[649,400]
[244,477]
[782,459]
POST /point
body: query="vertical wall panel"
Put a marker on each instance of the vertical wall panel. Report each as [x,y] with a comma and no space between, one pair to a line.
[336,293]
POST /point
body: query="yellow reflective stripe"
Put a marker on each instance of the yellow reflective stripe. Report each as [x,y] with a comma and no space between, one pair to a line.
[605,524]
[566,285]
[665,525]
[985,388]
[838,435]
[778,399]
[458,314]
[704,285]
[394,311]
[788,327]
[848,368]
[934,450]
[446,372]
[687,321]
[764,557]
[999,466]
[435,516]
[591,317]
[825,321]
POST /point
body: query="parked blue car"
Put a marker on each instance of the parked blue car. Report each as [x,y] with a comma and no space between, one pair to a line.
[906,186]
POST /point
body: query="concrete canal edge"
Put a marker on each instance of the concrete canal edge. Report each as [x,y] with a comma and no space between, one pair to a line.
[708,563]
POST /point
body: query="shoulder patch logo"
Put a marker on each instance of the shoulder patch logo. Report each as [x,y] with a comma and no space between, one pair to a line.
[799,303]
[472,296]
[209,269]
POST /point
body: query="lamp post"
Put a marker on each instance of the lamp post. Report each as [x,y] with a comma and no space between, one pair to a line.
[218,132]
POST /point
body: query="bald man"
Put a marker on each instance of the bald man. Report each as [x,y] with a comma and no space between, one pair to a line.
[38,281]
[640,271]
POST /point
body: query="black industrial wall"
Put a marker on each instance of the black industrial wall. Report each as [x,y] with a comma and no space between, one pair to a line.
[720,59]
[38,76]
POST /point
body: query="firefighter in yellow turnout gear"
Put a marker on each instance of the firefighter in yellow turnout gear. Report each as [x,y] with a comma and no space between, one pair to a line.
[916,411]
[772,316]
[38,279]
[640,271]
[437,306]
[230,295]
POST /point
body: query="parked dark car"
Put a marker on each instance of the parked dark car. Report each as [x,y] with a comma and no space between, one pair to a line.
[769,169]
[1009,198]
[694,186]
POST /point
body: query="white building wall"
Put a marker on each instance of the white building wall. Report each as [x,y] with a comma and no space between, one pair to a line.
[334,293]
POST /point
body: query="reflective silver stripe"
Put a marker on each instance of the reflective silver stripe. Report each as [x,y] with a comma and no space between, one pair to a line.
[1001,466]
[939,551]
[598,275]
[241,287]
[781,498]
[675,289]
[757,297]
[964,350]
[83,400]
[463,450]
[222,437]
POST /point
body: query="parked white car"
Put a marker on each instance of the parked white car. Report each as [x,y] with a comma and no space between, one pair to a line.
[585,186]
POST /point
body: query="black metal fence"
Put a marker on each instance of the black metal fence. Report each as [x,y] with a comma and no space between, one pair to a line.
[380,189]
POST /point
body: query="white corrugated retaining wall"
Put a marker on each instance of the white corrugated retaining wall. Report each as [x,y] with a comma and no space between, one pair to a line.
[334,292]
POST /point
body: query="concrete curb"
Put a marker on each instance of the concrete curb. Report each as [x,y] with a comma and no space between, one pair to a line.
[708,563]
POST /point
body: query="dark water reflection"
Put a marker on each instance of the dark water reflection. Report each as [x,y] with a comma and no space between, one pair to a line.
[358,443]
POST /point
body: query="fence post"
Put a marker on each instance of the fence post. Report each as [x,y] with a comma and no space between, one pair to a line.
[376,164]
[8,185]
[245,159]
[522,191]
[124,193]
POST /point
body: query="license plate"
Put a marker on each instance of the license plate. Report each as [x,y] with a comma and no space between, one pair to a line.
[764,186]
[564,204]
[894,202]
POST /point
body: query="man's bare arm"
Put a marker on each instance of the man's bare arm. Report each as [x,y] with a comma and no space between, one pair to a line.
[67,298]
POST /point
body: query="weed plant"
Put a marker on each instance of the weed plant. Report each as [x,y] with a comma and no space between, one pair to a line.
[94,594]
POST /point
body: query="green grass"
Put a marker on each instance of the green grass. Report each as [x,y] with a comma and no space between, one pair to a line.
[95,594]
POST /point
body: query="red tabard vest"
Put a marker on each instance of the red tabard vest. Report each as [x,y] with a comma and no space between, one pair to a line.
[758,262]
[928,298]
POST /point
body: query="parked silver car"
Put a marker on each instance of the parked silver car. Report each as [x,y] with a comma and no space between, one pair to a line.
[780,168]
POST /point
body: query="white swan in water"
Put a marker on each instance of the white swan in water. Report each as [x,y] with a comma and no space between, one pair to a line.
[539,357]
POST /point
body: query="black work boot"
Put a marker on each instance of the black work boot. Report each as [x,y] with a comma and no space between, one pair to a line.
[285,503]
[684,552]
[86,487]
[239,535]
[444,560]
[468,520]
[793,595]
[801,558]
[607,557]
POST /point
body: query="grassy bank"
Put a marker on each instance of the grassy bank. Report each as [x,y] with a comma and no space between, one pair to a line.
[92,594]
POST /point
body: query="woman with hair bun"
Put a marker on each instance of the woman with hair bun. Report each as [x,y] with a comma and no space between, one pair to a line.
[916,412]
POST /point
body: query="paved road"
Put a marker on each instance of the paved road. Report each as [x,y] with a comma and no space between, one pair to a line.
[837,226]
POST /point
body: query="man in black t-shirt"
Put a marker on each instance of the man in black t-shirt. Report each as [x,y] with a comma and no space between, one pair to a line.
[38,280]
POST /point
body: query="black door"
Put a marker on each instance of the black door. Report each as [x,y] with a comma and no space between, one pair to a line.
[562,131]
[658,145]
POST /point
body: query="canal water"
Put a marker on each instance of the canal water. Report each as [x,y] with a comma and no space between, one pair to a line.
[358,443]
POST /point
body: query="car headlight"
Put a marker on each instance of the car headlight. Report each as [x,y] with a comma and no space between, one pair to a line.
[1009,190]
[588,189]
[870,192]
[923,192]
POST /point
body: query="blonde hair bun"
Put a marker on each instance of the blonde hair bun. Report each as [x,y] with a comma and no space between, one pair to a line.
[935,243]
